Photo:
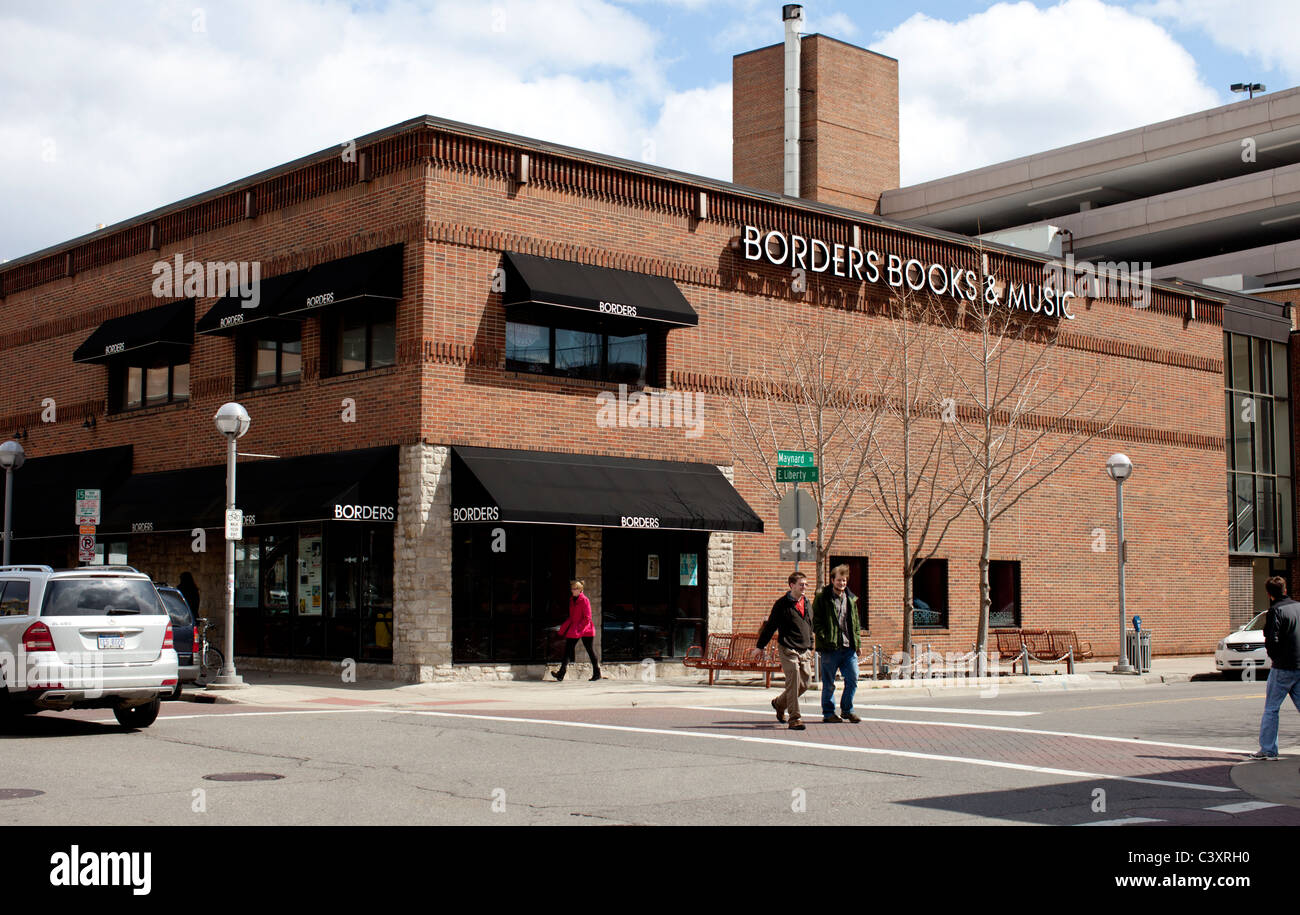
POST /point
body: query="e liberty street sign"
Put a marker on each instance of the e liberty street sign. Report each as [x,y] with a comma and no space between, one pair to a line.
[796,474]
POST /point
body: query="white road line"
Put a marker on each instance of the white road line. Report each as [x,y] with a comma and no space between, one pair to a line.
[904,754]
[1243,807]
[314,711]
[998,727]
[1122,821]
[950,711]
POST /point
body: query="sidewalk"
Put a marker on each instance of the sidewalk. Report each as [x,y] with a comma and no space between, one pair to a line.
[281,689]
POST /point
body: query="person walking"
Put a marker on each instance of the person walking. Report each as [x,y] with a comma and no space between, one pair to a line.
[578,626]
[789,622]
[835,623]
[1282,642]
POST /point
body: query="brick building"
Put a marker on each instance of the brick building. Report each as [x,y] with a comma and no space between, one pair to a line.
[444,321]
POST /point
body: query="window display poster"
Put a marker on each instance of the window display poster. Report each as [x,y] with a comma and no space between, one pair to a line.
[310,575]
[690,570]
[652,567]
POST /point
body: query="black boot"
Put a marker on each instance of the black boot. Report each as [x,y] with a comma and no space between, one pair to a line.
[595,674]
[559,674]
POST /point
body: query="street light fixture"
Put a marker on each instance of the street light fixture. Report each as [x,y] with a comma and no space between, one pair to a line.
[11,458]
[232,421]
[1252,88]
[1120,469]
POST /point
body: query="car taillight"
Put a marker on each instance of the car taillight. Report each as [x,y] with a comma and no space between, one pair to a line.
[38,638]
[167,639]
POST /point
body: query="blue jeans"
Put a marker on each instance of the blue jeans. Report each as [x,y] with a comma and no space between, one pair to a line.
[845,661]
[1281,683]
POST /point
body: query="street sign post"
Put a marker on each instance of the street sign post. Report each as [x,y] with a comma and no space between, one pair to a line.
[789,552]
[86,548]
[234,524]
[797,512]
[88,504]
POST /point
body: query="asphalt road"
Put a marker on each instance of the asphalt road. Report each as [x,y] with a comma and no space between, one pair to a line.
[1155,756]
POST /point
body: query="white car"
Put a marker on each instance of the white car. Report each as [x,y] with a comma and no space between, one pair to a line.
[93,637]
[1243,650]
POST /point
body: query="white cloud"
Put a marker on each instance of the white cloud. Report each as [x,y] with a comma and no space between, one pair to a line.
[1016,80]
[693,133]
[142,110]
[1268,30]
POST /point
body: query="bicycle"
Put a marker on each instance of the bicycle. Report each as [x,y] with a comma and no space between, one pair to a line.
[211,660]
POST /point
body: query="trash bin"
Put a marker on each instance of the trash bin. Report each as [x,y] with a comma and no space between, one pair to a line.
[1137,647]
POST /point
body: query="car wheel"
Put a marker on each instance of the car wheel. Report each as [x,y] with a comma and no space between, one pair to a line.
[137,716]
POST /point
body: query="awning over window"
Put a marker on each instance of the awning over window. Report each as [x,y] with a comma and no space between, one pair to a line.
[229,314]
[45,488]
[538,286]
[165,332]
[373,275]
[499,485]
[346,486]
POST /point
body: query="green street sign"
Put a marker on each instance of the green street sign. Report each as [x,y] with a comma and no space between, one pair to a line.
[795,459]
[796,474]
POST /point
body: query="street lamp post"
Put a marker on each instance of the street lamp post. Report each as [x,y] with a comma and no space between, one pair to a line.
[11,458]
[232,422]
[1120,469]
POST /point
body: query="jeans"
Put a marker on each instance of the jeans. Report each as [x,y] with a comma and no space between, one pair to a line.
[845,661]
[1281,683]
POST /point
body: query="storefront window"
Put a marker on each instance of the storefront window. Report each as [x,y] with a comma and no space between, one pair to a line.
[654,588]
[1004,593]
[930,595]
[508,605]
[621,359]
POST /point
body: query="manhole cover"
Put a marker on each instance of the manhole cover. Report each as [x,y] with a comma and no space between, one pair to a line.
[13,794]
[243,777]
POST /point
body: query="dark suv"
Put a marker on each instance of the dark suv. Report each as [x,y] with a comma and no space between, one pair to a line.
[183,632]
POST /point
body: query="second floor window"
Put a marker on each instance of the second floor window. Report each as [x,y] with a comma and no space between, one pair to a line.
[538,349]
[139,386]
[363,338]
[272,362]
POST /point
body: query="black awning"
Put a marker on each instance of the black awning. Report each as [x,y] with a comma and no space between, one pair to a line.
[499,485]
[346,486]
[373,275]
[229,314]
[536,286]
[45,488]
[165,332]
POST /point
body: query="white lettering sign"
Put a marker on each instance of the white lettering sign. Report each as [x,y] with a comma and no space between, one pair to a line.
[364,513]
[639,522]
[476,513]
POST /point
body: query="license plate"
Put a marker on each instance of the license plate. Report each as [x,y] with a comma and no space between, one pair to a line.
[112,641]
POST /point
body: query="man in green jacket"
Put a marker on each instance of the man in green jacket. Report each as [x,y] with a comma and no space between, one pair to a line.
[835,625]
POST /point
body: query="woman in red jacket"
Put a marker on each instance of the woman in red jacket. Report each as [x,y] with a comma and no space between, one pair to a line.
[578,626]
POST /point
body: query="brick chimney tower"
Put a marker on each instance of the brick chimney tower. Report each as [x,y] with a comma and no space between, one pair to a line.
[848,121]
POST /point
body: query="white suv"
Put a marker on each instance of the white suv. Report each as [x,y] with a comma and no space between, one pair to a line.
[93,637]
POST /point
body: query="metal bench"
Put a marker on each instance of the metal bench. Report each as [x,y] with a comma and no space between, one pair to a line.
[736,651]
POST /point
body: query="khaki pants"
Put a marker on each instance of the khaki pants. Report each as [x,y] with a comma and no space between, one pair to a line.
[798,668]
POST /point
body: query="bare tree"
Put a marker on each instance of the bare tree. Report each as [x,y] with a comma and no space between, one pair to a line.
[810,394]
[908,448]
[1019,417]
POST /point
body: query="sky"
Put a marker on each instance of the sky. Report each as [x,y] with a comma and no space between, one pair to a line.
[109,110]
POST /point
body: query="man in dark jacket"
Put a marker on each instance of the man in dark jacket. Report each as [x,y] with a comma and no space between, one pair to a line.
[1282,642]
[835,622]
[789,621]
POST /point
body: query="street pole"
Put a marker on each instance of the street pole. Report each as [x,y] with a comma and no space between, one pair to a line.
[232,422]
[9,498]
[1123,667]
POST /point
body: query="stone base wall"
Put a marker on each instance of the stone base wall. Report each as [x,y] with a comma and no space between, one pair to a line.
[422,565]
[721,572]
